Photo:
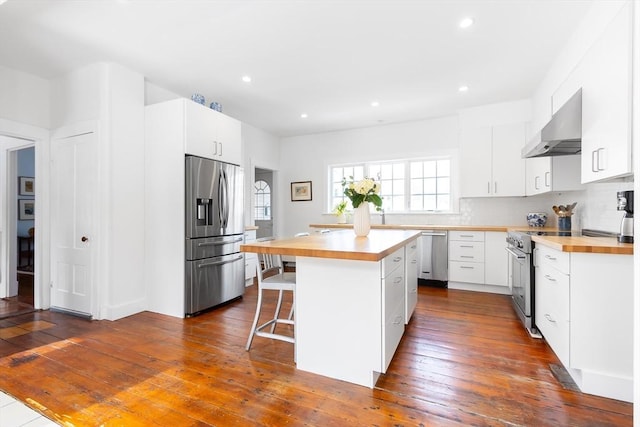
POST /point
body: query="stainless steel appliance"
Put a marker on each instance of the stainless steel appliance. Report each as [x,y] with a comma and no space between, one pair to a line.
[625,203]
[562,135]
[520,249]
[434,266]
[214,270]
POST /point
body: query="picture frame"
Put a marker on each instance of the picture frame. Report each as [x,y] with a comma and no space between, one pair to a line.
[301,191]
[26,209]
[26,186]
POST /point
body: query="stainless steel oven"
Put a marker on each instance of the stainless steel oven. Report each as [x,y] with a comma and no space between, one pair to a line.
[520,249]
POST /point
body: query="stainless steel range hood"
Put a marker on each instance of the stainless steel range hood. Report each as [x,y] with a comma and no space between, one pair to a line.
[562,136]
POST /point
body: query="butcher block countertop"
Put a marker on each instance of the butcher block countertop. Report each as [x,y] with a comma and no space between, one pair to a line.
[601,245]
[339,244]
[422,227]
[596,245]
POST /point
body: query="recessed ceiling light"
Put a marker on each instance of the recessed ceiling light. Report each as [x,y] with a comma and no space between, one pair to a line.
[463,88]
[304,115]
[3,1]
[375,104]
[246,79]
[466,23]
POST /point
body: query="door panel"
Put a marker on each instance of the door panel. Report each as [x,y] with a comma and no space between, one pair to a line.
[74,180]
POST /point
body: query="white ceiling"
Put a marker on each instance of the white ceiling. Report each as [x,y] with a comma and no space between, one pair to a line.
[327,58]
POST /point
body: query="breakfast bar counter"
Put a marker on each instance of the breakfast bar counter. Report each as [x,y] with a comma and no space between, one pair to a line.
[350,299]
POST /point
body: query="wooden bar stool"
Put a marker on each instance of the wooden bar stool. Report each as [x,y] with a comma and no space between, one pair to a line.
[271,276]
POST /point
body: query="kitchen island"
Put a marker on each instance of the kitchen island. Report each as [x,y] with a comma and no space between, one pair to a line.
[350,299]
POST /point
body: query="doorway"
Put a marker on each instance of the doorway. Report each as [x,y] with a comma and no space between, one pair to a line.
[263,197]
[18,223]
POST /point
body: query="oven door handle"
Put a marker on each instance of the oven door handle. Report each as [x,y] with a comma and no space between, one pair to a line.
[515,254]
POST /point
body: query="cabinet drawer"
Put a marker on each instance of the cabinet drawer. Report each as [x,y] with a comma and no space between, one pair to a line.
[249,236]
[392,331]
[552,310]
[394,291]
[472,272]
[473,236]
[392,262]
[466,251]
[551,257]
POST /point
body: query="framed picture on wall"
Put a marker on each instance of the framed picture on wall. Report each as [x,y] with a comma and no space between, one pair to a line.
[26,209]
[301,191]
[26,186]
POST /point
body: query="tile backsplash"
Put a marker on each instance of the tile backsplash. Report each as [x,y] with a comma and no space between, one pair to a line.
[595,209]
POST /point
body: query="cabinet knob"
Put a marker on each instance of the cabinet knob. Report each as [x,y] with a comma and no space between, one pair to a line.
[84,239]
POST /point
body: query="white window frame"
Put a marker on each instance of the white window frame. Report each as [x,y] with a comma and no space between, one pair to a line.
[453,198]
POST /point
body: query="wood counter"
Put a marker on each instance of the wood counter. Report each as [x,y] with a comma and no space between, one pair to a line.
[339,244]
[421,227]
[584,244]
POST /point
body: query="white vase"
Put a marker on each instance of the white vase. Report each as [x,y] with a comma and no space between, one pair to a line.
[362,220]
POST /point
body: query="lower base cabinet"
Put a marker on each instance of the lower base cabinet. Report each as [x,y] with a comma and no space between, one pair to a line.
[250,259]
[584,310]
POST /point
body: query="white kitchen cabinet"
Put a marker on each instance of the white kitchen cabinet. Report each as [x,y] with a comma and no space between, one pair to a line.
[210,134]
[604,74]
[491,161]
[496,259]
[393,304]
[478,261]
[466,257]
[584,310]
[250,258]
[411,267]
[552,299]
[546,174]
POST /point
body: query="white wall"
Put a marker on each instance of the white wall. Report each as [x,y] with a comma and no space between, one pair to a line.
[24,98]
[306,158]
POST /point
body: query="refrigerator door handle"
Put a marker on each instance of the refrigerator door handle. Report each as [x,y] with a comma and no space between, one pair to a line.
[225,199]
[220,243]
[211,264]
[221,186]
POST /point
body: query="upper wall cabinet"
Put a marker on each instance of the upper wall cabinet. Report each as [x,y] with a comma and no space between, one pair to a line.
[211,134]
[546,174]
[490,162]
[605,74]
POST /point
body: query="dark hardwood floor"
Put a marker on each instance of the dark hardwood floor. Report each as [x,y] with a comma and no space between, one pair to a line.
[21,303]
[464,360]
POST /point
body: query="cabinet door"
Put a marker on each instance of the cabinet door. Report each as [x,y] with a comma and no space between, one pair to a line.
[496,259]
[475,162]
[229,137]
[411,276]
[508,164]
[200,131]
[606,103]
[537,175]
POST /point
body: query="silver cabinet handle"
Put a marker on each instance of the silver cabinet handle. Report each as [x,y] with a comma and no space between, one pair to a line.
[547,180]
[495,187]
[414,261]
[466,246]
[550,258]
[467,267]
[535,182]
[397,280]
[467,256]
[397,320]
[488,188]
[397,259]
[466,235]
[549,278]
[428,233]
[549,318]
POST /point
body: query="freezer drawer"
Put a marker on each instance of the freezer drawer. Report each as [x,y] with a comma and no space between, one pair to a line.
[212,281]
[208,247]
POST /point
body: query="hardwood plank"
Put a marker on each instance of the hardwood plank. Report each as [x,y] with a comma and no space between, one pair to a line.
[464,360]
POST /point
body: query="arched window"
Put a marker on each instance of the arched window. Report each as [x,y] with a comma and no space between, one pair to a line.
[262,199]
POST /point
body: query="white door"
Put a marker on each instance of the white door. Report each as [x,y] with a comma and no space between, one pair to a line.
[73,188]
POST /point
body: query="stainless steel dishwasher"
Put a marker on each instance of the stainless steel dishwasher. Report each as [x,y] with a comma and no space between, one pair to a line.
[434,260]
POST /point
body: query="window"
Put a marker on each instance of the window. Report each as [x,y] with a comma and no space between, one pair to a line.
[262,200]
[405,186]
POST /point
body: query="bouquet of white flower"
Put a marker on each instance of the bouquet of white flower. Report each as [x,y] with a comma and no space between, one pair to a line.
[365,190]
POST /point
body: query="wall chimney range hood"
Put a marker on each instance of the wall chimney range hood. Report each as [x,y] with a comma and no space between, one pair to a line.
[562,136]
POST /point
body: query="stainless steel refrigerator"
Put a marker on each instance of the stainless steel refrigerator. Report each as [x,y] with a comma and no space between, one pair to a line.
[214,231]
